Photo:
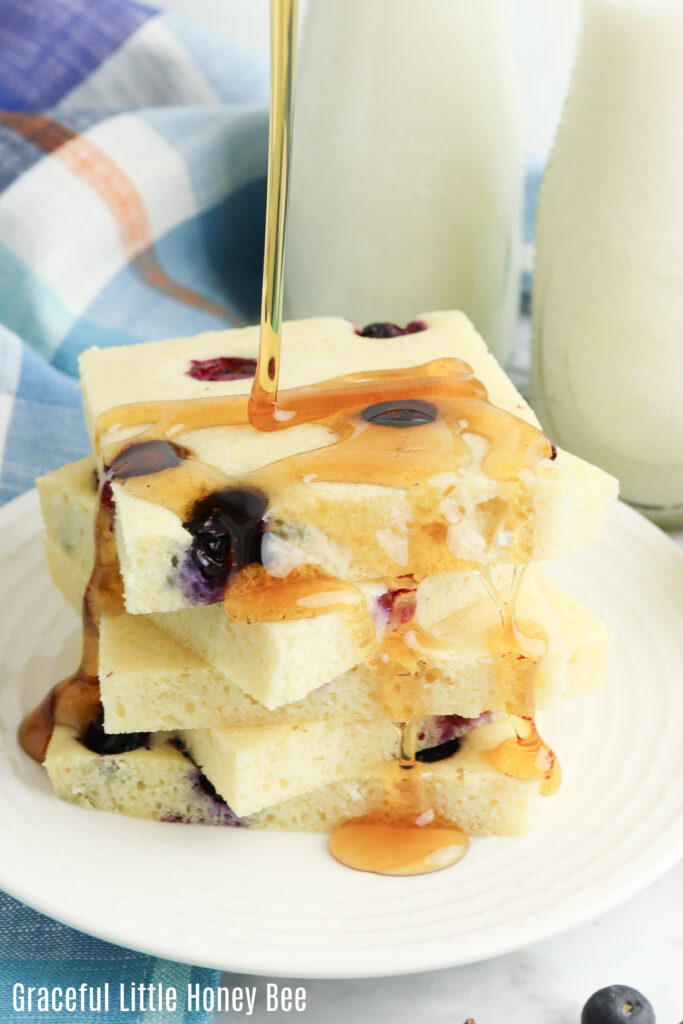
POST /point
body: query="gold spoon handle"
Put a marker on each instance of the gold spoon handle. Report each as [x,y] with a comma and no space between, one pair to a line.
[283,38]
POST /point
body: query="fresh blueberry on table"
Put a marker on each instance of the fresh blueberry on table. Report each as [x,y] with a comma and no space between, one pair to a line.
[617,1004]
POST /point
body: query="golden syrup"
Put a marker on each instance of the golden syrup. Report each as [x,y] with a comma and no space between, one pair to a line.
[518,646]
[526,756]
[361,448]
[75,701]
[252,595]
[392,846]
[405,836]
[256,596]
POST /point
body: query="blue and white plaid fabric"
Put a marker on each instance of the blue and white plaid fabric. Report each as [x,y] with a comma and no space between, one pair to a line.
[132,182]
[40,953]
[132,185]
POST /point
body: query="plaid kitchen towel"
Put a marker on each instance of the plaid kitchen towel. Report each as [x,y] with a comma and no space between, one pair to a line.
[133,149]
[40,954]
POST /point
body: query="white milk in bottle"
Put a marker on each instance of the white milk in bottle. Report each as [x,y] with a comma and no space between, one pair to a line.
[407,164]
[608,288]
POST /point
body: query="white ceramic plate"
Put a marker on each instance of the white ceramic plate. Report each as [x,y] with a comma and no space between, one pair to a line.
[278,904]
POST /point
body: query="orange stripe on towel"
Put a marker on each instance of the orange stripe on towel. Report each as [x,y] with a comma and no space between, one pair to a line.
[118,194]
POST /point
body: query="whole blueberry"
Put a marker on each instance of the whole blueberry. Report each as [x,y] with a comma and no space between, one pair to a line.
[388,330]
[222,368]
[144,458]
[401,412]
[617,1004]
[429,755]
[227,528]
[100,742]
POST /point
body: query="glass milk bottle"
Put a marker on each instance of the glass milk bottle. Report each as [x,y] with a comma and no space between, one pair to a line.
[407,164]
[608,288]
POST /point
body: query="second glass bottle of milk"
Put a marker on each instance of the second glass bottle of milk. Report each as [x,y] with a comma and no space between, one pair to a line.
[407,166]
[608,287]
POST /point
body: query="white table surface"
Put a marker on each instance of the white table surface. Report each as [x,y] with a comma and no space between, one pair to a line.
[639,944]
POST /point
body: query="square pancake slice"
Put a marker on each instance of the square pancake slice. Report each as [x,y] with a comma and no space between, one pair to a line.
[161,782]
[274,662]
[150,681]
[351,529]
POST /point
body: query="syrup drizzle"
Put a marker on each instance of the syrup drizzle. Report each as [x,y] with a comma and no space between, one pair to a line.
[442,403]
[519,646]
[75,701]
[405,836]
